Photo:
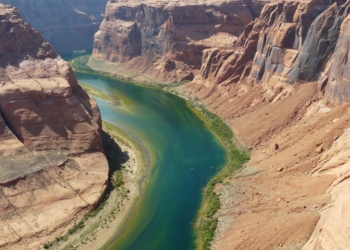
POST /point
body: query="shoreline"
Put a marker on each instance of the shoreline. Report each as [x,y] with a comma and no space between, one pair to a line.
[117,205]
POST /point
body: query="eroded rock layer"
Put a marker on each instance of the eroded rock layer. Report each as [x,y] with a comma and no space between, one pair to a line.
[165,39]
[289,43]
[52,165]
[66,24]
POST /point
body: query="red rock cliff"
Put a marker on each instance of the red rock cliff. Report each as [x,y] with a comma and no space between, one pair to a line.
[166,40]
[290,42]
[52,165]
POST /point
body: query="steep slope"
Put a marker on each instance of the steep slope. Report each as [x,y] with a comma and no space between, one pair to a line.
[67,25]
[165,40]
[53,169]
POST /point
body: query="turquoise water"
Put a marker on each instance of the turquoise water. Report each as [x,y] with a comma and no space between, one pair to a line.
[178,141]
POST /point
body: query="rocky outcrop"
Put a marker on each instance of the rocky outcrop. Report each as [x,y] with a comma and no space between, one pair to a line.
[67,25]
[52,165]
[148,36]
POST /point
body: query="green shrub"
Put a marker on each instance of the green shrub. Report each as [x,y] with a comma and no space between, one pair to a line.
[48,245]
[80,64]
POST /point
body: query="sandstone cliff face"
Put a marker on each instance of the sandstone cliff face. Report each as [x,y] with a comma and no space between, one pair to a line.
[52,166]
[290,42]
[67,25]
[166,40]
[219,42]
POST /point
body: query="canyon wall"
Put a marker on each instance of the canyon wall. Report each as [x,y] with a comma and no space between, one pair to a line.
[165,39]
[277,74]
[223,41]
[67,25]
[289,43]
[52,166]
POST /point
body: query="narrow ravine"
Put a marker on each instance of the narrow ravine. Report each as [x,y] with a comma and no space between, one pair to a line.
[184,156]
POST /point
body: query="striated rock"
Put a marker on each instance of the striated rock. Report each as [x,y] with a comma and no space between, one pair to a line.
[145,35]
[231,65]
[39,96]
[220,43]
[290,42]
[67,25]
[51,155]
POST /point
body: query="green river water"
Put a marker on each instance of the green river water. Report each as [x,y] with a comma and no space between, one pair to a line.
[177,141]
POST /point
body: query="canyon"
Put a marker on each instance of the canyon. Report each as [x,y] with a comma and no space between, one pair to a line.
[276,72]
[53,167]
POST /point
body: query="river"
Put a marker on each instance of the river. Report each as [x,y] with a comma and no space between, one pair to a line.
[185,155]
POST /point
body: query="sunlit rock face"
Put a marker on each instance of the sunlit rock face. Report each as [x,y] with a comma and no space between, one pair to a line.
[167,39]
[290,42]
[51,155]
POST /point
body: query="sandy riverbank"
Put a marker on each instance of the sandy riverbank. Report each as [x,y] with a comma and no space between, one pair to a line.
[100,228]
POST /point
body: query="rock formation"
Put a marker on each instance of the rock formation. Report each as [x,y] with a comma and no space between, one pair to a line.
[277,75]
[67,25]
[288,43]
[52,165]
[165,39]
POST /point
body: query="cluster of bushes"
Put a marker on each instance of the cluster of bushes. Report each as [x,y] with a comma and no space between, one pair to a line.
[218,126]
[80,64]
[77,226]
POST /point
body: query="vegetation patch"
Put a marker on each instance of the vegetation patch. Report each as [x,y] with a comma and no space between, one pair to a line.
[80,64]
[207,223]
